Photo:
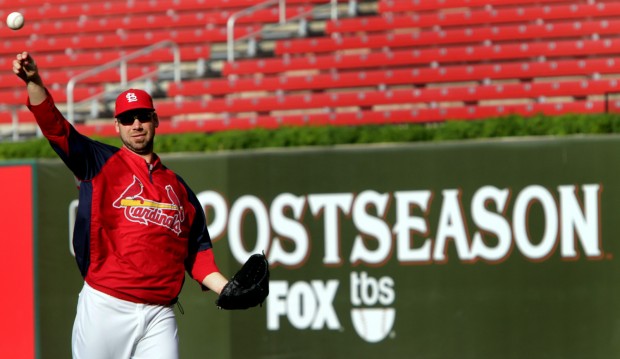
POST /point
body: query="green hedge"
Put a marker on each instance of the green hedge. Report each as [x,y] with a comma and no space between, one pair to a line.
[509,126]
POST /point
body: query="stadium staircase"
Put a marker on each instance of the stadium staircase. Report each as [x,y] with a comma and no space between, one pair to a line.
[216,65]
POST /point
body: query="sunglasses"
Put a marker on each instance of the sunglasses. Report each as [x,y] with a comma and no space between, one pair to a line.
[128,119]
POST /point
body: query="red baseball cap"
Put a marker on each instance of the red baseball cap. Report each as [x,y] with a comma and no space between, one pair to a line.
[133,99]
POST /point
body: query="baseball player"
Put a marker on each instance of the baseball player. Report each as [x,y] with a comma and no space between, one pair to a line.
[139,227]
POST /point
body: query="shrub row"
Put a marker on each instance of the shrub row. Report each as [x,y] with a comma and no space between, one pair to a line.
[509,126]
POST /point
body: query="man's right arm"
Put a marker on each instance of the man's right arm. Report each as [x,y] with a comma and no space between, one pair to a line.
[52,123]
[83,156]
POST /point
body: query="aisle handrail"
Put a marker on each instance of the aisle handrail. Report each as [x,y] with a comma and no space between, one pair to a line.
[232,19]
[122,62]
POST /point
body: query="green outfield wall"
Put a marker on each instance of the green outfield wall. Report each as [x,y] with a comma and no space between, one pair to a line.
[478,249]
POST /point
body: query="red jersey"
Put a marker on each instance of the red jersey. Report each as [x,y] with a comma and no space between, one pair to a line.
[139,227]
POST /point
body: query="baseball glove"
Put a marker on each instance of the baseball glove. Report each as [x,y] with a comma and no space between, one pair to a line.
[248,287]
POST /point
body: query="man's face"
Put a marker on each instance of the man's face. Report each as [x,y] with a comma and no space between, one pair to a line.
[137,130]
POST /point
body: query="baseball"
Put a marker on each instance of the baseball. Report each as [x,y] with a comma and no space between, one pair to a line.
[15,20]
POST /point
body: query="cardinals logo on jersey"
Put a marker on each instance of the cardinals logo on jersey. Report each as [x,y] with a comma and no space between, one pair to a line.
[145,211]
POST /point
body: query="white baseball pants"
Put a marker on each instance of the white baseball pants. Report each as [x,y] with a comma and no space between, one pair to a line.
[109,328]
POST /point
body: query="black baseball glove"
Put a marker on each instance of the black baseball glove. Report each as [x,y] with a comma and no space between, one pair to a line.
[248,287]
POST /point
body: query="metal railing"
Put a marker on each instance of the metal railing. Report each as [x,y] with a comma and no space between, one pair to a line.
[230,23]
[14,121]
[122,63]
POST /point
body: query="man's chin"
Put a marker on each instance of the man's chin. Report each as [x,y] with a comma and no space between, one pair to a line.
[141,148]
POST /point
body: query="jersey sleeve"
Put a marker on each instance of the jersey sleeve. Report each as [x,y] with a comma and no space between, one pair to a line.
[82,155]
[201,260]
[52,123]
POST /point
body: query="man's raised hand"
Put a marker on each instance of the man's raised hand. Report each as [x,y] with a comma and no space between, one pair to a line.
[25,68]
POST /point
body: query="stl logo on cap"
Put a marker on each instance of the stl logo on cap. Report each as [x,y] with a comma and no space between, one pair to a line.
[131,97]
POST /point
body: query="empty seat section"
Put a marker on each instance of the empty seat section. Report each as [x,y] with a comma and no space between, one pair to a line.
[428,55]
[8,4]
[543,91]
[475,17]
[383,117]
[144,22]
[122,40]
[60,77]
[17,96]
[50,10]
[423,115]
[87,60]
[469,35]
[410,76]
[426,5]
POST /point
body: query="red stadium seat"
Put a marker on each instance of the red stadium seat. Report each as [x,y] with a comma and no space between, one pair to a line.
[89,59]
[438,55]
[363,99]
[123,40]
[73,9]
[361,117]
[466,113]
[523,13]
[425,5]
[23,116]
[402,116]
[144,22]
[469,35]
[106,8]
[17,96]
[407,76]
[60,77]
[8,4]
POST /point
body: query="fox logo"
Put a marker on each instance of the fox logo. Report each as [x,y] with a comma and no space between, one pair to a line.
[144,211]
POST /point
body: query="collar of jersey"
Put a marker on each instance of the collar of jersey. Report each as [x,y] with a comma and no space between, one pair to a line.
[139,161]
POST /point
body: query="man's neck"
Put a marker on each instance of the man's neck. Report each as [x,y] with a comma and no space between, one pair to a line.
[148,157]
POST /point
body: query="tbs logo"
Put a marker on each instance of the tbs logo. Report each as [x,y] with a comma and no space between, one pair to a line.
[310,305]
[372,323]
